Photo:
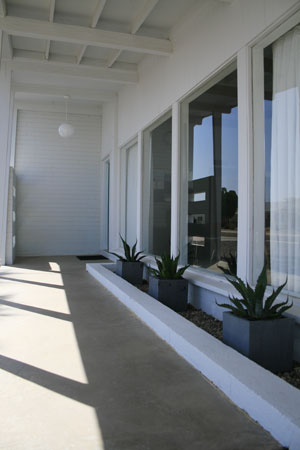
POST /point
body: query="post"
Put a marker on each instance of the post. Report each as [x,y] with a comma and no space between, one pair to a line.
[5,120]
[175,179]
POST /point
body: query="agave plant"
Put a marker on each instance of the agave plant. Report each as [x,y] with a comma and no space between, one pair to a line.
[167,268]
[231,262]
[252,305]
[130,254]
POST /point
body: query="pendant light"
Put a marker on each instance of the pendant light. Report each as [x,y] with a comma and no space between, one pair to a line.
[66,130]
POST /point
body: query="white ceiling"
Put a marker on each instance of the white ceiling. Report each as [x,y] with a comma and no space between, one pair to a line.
[92,45]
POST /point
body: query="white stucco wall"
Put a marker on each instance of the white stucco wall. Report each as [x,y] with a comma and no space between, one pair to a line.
[208,37]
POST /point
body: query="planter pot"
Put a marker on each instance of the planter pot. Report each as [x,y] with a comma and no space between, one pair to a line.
[130,271]
[172,293]
[267,342]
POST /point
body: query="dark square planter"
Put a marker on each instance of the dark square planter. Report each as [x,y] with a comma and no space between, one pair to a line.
[130,271]
[172,293]
[267,342]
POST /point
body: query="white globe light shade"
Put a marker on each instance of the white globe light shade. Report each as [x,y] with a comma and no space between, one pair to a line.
[66,130]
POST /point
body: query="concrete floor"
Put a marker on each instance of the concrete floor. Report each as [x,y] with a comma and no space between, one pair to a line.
[79,371]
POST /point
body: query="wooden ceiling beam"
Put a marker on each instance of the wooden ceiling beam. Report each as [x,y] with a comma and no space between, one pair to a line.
[135,26]
[2,8]
[59,91]
[71,70]
[142,15]
[94,21]
[74,34]
[51,18]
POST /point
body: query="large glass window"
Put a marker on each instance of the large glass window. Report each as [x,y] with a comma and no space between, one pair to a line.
[210,182]
[282,160]
[129,193]
[157,187]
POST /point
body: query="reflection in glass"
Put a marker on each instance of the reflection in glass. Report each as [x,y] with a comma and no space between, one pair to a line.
[213,177]
[131,195]
[282,160]
[157,189]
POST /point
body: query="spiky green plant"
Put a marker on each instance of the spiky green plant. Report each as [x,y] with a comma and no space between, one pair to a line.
[231,262]
[252,305]
[130,254]
[167,268]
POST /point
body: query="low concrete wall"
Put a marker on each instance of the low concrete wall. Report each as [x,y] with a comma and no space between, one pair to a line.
[265,397]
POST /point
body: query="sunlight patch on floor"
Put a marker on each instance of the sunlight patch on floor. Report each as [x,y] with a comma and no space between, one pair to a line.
[48,420]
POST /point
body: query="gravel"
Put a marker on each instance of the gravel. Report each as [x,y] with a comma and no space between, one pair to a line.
[215,328]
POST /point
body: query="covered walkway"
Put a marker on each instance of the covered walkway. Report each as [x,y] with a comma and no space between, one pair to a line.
[79,371]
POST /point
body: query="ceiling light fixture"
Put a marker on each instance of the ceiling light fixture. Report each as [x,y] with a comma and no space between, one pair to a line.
[66,130]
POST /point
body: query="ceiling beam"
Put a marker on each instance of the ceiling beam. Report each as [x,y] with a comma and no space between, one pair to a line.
[2,8]
[7,48]
[142,15]
[95,73]
[97,13]
[94,21]
[113,58]
[135,26]
[39,29]
[51,18]
[60,91]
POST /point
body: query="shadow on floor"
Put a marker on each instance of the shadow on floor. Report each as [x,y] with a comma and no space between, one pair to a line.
[145,396]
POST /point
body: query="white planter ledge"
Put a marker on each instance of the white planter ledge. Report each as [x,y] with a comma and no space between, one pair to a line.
[266,398]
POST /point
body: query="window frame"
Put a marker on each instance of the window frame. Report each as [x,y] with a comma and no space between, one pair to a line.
[208,83]
[257,73]
[146,146]
[123,186]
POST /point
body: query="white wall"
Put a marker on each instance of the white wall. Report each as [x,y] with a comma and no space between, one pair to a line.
[208,38]
[58,184]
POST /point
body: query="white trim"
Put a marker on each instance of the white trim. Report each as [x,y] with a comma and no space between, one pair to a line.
[6,111]
[245,165]
[175,179]
[139,191]
[123,156]
[259,162]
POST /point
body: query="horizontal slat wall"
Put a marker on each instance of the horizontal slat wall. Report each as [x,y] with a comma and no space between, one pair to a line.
[58,185]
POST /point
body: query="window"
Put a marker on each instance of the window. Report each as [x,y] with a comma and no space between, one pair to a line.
[157,187]
[129,193]
[209,201]
[282,160]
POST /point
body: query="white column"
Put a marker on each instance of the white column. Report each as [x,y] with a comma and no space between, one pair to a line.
[245,165]
[139,210]
[114,211]
[175,179]
[5,119]
[258,164]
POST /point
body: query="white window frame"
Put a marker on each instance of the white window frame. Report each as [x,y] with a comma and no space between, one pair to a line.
[106,210]
[209,82]
[123,186]
[259,142]
[146,146]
